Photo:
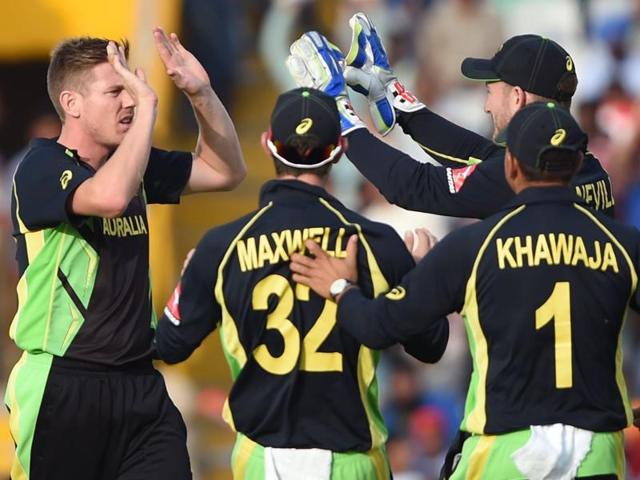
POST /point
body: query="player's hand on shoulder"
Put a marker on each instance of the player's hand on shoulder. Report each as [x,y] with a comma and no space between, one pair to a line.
[419,242]
[135,83]
[320,270]
[182,66]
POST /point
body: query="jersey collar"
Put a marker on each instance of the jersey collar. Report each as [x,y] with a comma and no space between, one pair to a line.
[535,195]
[291,190]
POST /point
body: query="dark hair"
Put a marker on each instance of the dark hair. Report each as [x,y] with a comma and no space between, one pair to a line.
[74,57]
[556,165]
[296,150]
[539,98]
[282,169]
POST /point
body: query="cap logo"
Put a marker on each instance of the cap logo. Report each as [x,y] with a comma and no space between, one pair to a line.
[569,64]
[558,137]
[304,126]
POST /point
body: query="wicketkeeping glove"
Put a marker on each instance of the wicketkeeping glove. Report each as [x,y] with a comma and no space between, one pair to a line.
[369,73]
[316,63]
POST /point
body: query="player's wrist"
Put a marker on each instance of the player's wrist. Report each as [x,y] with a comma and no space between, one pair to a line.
[200,96]
[339,287]
[403,99]
[349,119]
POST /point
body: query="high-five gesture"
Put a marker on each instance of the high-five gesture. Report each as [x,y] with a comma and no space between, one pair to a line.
[135,83]
[184,69]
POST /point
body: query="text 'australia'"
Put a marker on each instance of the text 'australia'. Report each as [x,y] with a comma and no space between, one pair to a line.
[124,226]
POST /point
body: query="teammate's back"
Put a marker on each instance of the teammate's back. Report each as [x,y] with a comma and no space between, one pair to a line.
[571,270]
[299,381]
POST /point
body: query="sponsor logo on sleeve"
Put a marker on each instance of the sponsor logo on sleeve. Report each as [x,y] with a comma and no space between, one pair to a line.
[65,178]
[457,176]
[172,309]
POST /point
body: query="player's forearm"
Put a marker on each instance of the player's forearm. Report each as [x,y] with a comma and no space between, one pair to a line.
[354,315]
[447,143]
[401,179]
[217,147]
[170,346]
[429,346]
[110,190]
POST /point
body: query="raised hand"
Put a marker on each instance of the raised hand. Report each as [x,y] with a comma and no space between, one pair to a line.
[135,83]
[185,70]
[322,270]
[368,72]
[317,63]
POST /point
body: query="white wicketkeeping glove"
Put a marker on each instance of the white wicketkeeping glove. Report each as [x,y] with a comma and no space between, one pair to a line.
[368,72]
[314,62]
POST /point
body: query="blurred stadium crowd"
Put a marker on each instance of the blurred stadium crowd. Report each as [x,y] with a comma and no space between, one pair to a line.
[243,45]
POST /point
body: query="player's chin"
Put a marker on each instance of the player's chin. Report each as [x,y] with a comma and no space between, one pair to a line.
[113,140]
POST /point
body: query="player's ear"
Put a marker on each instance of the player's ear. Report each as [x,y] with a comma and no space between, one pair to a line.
[263,141]
[518,98]
[344,146]
[510,166]
[344,143]
[71,103]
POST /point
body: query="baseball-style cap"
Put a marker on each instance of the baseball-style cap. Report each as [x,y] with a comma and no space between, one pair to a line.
[534,63]
[541,127]
[305,129]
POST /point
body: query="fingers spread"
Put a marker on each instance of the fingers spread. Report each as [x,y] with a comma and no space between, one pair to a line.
[315,249]
[140,74]
[296,277]
[300,268]
[302,260]
[352,246]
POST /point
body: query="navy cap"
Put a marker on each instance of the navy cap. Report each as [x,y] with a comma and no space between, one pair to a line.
[541,127]
[305,129]
[534,63]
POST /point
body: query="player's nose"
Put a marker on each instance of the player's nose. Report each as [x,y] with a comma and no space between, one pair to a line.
[127,99]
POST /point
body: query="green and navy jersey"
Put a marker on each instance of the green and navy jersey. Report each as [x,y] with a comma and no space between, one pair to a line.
[543,287]
[470,182]
[298,381]
[84,289]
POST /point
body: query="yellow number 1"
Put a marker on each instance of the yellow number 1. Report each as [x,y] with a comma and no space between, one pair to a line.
[558,308]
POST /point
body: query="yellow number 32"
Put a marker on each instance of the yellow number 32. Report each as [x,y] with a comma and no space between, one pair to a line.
[310,359]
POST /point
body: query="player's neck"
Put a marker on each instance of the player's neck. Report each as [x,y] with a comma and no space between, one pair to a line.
[310,178]
[88,150]
[524,184]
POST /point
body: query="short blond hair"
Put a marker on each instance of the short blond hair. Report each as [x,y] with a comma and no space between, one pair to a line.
[70,59]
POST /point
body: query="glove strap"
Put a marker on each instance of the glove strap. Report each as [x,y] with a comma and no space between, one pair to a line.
[349,120]
[403,99]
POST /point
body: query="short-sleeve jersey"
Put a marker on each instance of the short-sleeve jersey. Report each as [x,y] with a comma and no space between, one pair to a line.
[299,381]
[543,287]
[84,290]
